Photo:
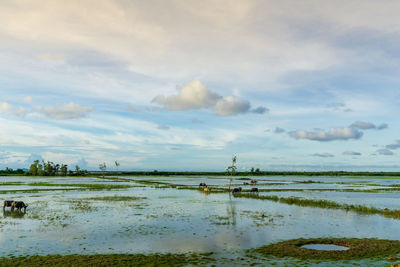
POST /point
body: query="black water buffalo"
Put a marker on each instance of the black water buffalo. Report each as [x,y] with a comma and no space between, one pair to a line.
[254,190]
[7,203]
[202,184]
[18,205]
[237,190]
[245,183]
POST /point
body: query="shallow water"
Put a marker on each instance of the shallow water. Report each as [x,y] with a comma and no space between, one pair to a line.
[173,220]
[329,247]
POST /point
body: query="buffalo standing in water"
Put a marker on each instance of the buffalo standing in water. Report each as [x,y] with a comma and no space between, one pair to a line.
[19,205]
[254,190]
[237,190]
[7,203]
[207,190]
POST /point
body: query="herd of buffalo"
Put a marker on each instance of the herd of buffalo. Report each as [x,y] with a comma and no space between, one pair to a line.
[235,190]
[21,205]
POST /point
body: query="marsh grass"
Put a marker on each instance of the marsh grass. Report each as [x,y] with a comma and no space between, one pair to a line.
[358,248]
[308,182]
[11,183]
[110,260]
[326,204]
[116,198]
[87,186]
[219,220]
[82,205]
[262,218]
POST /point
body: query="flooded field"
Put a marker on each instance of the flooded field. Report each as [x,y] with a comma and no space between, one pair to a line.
[113,215]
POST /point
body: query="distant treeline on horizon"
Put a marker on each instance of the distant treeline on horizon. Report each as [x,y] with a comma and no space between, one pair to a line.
[54,171]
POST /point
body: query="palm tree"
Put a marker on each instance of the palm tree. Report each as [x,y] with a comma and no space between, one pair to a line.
[117,165]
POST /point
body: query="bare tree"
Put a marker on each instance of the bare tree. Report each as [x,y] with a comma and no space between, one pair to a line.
[103,168]
[232,170]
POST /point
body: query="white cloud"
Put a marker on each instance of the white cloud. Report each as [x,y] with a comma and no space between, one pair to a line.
[28,99]
[394,146]
[344,133]
[231,106]
[279,130]
[363,125]
[323,155]
[260,110]
[194,95]
[10,109]
[64,112]
[163,127]
[382,126]
[351,153]
[385,152]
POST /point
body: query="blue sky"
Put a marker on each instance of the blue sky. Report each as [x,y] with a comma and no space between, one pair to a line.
[184,85]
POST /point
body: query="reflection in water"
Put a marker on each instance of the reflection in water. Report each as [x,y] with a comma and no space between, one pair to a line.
[13,214]
[231,210]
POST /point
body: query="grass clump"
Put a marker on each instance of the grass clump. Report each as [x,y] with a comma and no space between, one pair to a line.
[82,205]
[109,260]
[358,248]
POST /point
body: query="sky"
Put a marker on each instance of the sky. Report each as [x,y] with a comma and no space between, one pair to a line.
[185,85]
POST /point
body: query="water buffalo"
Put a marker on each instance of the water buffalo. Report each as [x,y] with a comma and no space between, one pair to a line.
[237,190]
[253,181]
[245,183]
[203,184]
[254,190]
[19,205]
[7,203]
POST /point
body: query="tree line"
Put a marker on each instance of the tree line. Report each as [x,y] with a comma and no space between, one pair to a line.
[49,168]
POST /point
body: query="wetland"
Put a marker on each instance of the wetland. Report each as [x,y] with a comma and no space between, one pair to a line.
[166,220]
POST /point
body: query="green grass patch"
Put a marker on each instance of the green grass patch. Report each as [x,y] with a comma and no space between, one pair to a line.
[110,260]
[358,248]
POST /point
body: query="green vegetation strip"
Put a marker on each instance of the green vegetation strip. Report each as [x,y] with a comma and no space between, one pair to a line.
[358,248]
[116,198]
[89,186]
[109,260]
[326,204]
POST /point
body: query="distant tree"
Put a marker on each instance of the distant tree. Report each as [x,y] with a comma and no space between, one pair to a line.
[103,168]
[49,168]
[33,169]
[117,164]
[252,170]
[232,170]
[57,169]
[40,170]
[257,171]
[77,170]
[64,169]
